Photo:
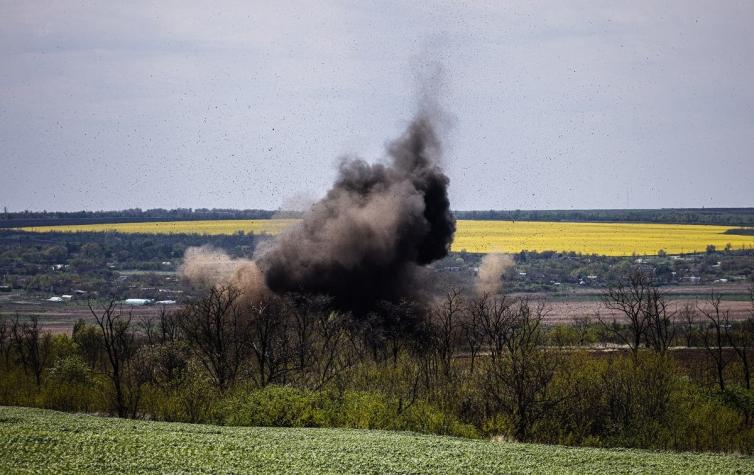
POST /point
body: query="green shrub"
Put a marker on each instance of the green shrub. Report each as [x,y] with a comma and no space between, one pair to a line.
[71,386]
[18,388]
[272,406]
[284,406]
[701,421]
[192,398]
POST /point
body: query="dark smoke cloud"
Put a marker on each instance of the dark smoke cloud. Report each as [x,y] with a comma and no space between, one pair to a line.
[368,238]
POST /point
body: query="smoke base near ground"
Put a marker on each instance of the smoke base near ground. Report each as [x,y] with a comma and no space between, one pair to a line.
[207,266]
[489,279]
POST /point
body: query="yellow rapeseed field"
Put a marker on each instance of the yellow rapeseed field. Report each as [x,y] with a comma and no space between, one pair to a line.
[256,226]
[612,239]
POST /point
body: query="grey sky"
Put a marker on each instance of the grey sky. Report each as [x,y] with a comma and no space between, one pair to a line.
[110,105]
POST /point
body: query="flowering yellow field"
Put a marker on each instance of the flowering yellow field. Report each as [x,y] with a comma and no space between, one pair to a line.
[256,226]
[612,239]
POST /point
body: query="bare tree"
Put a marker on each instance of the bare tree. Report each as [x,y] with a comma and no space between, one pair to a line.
[147,327]
[520,369]
[631,298]
[714,336]
[164,329]
[582,325]
[401,327]
[319,340]
[118,342]
[495,319]
[304,310]
[5,340]
[269,334]
[217,334]
[332,355]
[471,328]
[661,321]
[690,318]
[741,339]
[33,347]
[446,320]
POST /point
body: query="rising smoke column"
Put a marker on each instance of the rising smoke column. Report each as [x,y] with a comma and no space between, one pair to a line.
[491,270]
[368,238]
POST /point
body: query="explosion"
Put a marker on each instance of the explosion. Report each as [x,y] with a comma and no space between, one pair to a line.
[367,240]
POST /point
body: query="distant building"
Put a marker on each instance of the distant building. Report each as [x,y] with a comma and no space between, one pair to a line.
[55,299]
[138,302]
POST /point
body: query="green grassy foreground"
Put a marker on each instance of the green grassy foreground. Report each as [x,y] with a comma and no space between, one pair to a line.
[40,441]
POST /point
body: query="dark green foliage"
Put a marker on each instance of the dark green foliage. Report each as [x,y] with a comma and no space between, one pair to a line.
[71,386]
[137,215]
[276,406]
[722,216]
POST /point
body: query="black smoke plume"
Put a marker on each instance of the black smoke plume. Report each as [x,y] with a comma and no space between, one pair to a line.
[368,241]
[369,238]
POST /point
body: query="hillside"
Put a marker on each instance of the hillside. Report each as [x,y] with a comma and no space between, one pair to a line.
[52,442]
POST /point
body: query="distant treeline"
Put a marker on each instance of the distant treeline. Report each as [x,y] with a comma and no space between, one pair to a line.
[721,216]
[136,215]
[741,232]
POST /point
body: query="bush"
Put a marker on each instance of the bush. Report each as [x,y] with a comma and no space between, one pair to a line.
[273,406]
[702,421]
[70,386]
[284,406]
[191,398]
[18,388]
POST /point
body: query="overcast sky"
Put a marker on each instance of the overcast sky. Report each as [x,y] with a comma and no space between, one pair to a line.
[111,105]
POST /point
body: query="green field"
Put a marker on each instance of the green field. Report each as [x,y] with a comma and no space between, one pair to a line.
[40,441]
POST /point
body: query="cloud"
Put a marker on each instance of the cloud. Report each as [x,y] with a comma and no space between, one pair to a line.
[583,105]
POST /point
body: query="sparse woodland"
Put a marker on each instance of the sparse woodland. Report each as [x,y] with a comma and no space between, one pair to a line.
[470,365]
